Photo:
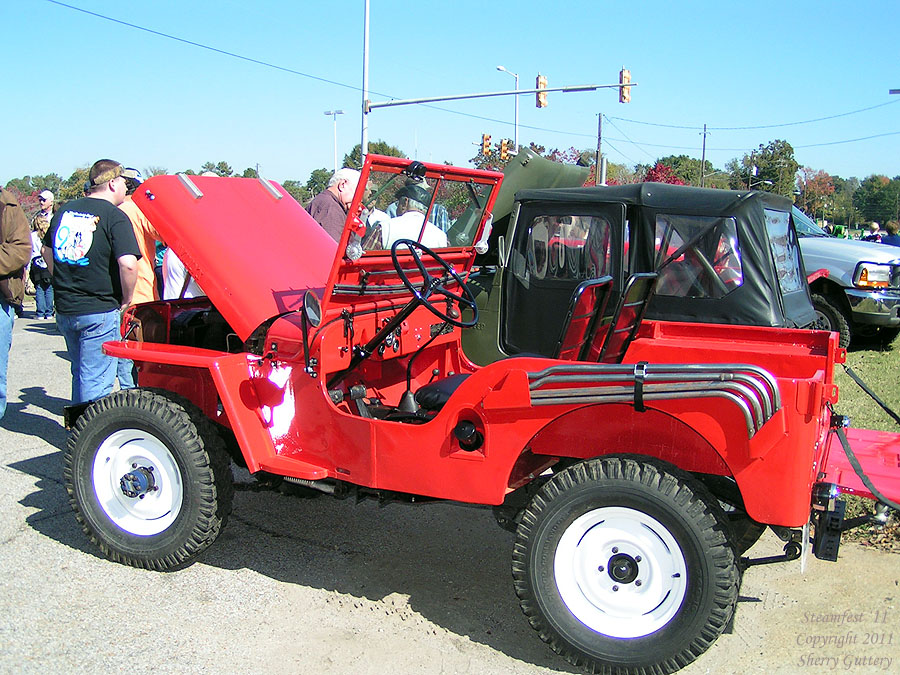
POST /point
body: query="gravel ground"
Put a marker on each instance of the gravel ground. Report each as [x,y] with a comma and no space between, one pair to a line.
[333,586]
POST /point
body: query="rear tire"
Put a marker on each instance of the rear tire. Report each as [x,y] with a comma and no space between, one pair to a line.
[624,565]
[831,317]
[148,478]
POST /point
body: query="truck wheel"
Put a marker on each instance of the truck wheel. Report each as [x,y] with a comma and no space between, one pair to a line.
[830,317]
[623,565]
[148,478]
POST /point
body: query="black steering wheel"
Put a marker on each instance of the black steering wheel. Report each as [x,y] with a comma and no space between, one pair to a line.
[432,285]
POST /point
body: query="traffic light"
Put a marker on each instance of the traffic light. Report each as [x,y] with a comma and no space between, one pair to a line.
[504,149]
[541,96]
[486,145]
[624,89]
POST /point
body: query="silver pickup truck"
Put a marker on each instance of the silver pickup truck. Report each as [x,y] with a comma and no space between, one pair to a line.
[860,294]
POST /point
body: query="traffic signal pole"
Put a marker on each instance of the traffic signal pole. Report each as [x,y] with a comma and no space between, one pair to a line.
[373,105]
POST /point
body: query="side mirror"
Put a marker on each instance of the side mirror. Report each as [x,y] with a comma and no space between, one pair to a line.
[312,309]
[312,316]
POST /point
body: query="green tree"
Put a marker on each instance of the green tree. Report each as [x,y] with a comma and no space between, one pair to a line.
[688,169]
[878,198]
[318,181]
[844,213]
[222,169]
[297,190]
[155,171]
[73,186]
[250,172]
[353,159]
[776,169]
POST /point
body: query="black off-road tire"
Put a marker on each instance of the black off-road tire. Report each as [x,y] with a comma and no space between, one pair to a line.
[831,317]
[624,565]
[163,448]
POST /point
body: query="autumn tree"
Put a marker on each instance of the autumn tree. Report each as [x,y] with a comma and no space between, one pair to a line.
[663,173]
[816,189]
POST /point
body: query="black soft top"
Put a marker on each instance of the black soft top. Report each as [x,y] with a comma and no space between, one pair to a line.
[758,301]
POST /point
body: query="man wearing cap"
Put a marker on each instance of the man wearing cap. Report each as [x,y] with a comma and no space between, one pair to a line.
[15,247]
[92,255]
[412,203]
[37,268]
[329,208]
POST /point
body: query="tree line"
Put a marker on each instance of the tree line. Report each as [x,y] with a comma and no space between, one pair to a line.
[771,167]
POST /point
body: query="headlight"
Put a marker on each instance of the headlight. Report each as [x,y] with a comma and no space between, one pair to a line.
[872,275]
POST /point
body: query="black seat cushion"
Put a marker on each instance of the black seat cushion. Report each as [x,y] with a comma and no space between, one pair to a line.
[435,394]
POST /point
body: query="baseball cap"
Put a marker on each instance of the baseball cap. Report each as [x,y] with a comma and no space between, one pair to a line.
[46,195]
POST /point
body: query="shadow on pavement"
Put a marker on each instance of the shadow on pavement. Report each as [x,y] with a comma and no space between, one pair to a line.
[53,517]
[453,562]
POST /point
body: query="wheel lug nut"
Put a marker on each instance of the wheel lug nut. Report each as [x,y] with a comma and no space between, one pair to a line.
[615,588]
[134,466]
[637,583]
[600,569]
[615,549]
[637,558]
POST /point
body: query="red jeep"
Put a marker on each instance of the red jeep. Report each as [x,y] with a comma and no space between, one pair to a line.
[635,462]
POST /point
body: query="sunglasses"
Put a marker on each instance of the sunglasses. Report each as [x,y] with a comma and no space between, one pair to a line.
[42,199]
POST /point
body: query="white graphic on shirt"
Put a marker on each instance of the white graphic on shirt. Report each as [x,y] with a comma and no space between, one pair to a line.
[74,237]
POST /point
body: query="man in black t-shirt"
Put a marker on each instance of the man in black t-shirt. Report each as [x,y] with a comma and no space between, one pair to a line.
[92,254]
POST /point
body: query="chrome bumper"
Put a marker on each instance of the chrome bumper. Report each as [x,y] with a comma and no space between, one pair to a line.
[877,308]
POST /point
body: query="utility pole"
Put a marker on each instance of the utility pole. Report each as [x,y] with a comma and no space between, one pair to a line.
[599,151]
[703,159]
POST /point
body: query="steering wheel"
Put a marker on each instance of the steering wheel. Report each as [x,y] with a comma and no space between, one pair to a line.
[432,285]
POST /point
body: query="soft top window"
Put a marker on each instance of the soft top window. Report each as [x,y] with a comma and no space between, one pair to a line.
[785,251]
[697,256]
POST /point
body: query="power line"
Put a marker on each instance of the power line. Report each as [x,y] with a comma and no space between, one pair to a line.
[292,71]
[761,126]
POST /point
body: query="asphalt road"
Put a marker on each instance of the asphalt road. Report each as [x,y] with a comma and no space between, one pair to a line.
[331,586]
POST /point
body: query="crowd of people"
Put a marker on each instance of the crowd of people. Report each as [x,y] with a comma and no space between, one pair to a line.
[86,262]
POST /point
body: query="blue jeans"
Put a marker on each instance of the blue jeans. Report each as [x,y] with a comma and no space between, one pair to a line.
[43,300]
[93,372]
[7,317]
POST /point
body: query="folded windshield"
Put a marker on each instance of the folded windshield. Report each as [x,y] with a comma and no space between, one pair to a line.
[437,211]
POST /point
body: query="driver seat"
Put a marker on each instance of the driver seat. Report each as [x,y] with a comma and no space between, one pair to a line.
[590,343]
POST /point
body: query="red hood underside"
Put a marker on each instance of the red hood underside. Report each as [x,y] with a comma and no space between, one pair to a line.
[247,242]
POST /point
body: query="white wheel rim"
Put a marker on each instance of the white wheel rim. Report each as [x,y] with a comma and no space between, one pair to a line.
[123,453]
[646,588]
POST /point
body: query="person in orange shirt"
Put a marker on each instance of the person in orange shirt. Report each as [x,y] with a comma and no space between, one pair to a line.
[145,288]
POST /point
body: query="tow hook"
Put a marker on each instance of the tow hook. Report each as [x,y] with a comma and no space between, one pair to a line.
[792,551]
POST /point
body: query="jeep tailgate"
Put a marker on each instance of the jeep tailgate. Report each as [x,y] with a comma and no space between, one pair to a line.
[878,453]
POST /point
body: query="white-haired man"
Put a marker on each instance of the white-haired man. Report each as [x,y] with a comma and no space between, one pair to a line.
[329,208]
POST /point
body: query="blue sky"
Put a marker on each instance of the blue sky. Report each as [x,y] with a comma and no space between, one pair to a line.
[80,87]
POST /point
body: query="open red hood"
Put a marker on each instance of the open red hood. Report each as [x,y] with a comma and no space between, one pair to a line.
[246,241]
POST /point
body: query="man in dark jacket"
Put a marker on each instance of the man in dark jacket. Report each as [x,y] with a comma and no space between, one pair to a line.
[329,208]
[15,250]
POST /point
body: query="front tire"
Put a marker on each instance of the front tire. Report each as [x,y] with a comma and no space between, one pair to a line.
[624,565]
[148,478]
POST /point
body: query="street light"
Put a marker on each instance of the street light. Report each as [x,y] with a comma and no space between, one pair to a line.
[516,123]
[334,114]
